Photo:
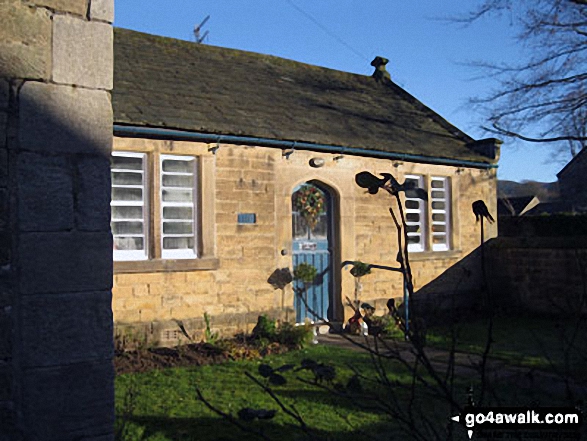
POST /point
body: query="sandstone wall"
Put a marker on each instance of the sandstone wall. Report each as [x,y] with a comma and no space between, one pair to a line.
[261,180]
[56,376]
[542,275]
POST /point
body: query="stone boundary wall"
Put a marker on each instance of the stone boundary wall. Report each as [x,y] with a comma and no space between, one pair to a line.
[56,71]
[553,225]
[539,275]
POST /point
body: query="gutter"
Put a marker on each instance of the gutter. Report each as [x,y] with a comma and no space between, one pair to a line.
[180,135]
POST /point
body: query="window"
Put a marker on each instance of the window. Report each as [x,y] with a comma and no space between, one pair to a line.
[415,216]
[440,205]
[129,206]
[171,233]
[428,222]
[178,237]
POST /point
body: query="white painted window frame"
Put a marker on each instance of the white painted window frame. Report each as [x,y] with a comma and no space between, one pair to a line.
[445,245]
[128,255]
[188,253]
[423,212]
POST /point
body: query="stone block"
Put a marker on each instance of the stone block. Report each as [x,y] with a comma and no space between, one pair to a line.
[82,53]
[3,208]
[65,262]
[123,316]
[68,402]
[8,420]
[121,292]
[66,328]
[5,248]
[5,383]
[93,194]
[170,301]
[3,132]
[147,315]
[4,94]
[45,193]
[102,10]
[5,333]
[140,304]
[25,43]
[6,288]
[65,119]
[140,290]
[79,7]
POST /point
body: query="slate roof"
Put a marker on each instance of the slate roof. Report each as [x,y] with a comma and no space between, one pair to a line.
[168,83]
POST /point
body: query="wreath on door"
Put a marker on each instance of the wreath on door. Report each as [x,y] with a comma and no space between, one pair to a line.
[309,202]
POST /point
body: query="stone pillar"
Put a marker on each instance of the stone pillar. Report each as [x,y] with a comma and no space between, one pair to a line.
[56,68]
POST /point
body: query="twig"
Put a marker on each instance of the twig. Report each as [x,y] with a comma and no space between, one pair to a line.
[228,417]
[292,413]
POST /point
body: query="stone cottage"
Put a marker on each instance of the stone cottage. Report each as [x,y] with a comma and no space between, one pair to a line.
[215,151]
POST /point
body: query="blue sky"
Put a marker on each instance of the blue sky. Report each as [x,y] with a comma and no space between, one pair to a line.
[428,55]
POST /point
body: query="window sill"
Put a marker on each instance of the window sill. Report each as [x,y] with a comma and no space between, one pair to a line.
[167,265]
[416,256]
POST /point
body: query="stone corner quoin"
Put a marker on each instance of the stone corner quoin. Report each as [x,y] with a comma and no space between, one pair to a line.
[82,53]
[56,74]
[102,10]
[46,107]
[78,7]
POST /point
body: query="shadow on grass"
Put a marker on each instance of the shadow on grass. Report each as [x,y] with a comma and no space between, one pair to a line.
[214,429]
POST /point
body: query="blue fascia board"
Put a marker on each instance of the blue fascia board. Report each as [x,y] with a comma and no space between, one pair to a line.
[181,135]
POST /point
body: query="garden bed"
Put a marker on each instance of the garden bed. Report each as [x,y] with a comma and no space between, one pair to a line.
[194,354]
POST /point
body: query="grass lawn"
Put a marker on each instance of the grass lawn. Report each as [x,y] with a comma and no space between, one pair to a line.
[166,406]
[526,341]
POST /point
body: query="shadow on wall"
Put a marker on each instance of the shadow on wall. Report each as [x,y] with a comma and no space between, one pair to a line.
[56,260]
[458,290]
[525,275]
[540,275]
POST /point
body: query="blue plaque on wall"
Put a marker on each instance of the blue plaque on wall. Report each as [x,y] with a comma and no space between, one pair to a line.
[247,218]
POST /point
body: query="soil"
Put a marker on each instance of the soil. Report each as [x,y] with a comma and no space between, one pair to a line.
[195,354]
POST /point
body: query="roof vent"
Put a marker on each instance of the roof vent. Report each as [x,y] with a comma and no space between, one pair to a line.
[380,74]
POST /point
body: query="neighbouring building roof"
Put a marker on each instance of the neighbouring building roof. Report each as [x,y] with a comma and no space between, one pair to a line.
[516,206]
[557,207]
[577,161]
[167,83]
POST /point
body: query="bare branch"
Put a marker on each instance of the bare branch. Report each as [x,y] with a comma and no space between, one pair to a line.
[501,131]
[549,85]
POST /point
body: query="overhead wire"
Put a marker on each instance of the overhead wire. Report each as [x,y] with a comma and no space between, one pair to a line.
[326,30]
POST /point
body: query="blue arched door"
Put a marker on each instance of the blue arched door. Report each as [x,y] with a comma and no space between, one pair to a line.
[313,244]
